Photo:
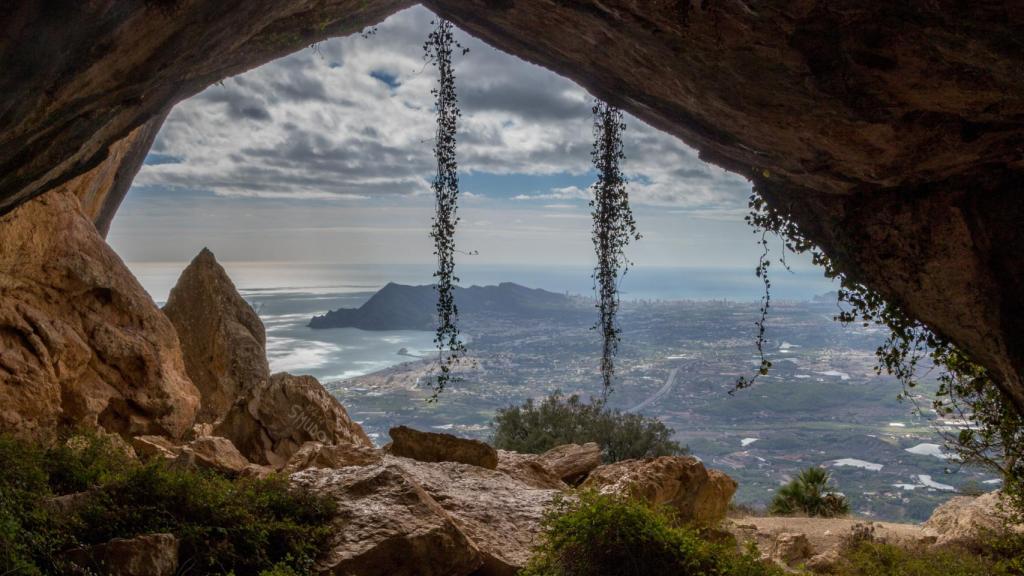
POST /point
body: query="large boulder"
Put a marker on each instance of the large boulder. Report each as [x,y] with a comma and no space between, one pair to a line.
[81,342]
[212,453]
[696,494]
[146,555]
[403,516]
[572,462]
[388,526]
[963,520]
[526,469]
[273,420]
[319,455]
[499,514]
[437,447]
[148,447]
[554,469]
[222,337]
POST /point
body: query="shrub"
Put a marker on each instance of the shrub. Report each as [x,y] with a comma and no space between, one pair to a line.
[535,428]
[85,460]
[871,558]
[809,493]
[246,526]
[598,535]
[29,532]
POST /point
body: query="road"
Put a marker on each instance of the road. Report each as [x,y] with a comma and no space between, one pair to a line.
[665,389]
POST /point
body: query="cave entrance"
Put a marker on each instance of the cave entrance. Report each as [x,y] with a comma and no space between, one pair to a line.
[309,178]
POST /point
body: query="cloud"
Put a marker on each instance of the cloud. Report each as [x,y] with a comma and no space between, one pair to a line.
[352,119]
[563,193]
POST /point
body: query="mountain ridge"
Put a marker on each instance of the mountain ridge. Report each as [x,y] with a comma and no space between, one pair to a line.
[405,307]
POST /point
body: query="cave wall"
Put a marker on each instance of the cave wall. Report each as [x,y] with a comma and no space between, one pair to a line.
[893,132]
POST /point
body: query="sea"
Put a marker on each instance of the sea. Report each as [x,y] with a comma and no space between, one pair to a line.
[287,294]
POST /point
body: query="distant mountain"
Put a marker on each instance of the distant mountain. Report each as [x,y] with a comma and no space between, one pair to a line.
[401,307]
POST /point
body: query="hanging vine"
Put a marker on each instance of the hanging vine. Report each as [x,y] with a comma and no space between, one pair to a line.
[450,346]
[614,227]
[966,390]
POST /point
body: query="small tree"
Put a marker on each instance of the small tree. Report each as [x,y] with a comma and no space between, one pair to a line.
[810,493]
[538,427]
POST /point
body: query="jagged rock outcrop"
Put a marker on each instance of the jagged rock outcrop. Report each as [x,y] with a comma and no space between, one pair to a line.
[889,131]
[81,343]
[272,421]
[222,337]
[404,516]
[963,520]
[146,555]
[438,447]
[695,493]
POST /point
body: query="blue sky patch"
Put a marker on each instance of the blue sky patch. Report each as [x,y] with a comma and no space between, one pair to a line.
[154,159]
[390,79]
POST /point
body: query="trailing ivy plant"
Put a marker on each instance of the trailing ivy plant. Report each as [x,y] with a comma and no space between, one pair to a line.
[450,346]
[614,227]
[967,390]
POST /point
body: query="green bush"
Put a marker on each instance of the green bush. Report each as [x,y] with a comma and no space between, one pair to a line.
[535,428]
[30,533]
[83,461]
[601,535]
[809,493]
[224,525]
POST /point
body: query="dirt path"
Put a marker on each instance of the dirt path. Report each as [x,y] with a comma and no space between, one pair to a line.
[824,534]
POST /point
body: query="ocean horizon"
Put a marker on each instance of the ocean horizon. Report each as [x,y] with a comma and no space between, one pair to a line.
[639,283]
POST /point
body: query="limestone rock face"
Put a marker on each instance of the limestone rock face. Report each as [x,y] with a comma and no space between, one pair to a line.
[101,189]
[963,519]
[435,447]
[572,462]
[404,516]
[682,482]
[147,555]
[273,420]
[214,453]
[81,343]
[388,526]
[319,455]
[222,337]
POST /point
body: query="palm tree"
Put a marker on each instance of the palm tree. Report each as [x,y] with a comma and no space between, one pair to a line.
[810,493]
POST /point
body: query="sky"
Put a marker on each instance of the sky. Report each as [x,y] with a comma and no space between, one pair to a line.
[326,156]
